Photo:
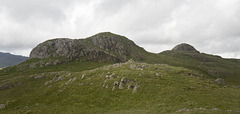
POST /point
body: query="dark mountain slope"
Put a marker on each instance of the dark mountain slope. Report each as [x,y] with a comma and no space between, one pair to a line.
[7,59]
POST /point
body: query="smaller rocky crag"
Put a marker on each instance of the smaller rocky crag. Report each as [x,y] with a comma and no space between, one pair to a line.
[185,47]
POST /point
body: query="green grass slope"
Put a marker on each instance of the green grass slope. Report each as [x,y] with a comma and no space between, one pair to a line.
[210,65]
[131,87]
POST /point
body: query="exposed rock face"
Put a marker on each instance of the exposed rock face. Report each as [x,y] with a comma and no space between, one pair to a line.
[103,46]
[48,48]
[135,88]
[68,48]
[185,47]
[9,85]
[2,106]
[114,85]
[220,81]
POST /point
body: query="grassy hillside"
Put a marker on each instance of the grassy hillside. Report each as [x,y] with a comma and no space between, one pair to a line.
[87,87]
[210,65]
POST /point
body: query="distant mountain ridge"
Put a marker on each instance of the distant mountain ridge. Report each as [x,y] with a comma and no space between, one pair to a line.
[7,59]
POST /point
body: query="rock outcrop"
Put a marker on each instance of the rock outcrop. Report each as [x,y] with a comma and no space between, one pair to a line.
[185,47]
[9,85]
[2,106]
[220,81]
[103,46]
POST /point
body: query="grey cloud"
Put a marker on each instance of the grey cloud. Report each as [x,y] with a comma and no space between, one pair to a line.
[111,7]
[25,10]
[32,9]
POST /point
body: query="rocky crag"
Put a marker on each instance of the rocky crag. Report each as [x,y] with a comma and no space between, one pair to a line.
[102,47]
[185,47]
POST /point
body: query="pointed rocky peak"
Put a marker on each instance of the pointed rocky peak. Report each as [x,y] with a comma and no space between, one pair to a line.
[185,47]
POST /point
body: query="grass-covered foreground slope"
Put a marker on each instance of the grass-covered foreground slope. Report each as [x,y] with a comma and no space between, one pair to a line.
[129,87]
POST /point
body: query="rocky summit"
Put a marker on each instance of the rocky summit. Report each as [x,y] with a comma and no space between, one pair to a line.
[103,46]
[185,47]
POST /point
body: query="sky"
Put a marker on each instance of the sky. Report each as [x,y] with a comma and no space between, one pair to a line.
[211,26]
